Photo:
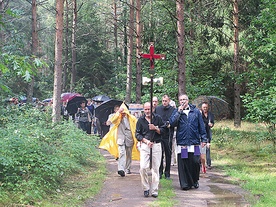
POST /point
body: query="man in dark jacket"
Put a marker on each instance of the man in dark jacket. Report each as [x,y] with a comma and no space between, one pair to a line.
[208,119]
[189,135]
[149,129]
[165,111]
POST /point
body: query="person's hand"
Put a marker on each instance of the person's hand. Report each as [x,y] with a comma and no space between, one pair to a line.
[210,124]
[208,145]
[147,142]
[152,127]
[181,107]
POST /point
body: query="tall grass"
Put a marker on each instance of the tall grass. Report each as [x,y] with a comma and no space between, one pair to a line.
[246,153]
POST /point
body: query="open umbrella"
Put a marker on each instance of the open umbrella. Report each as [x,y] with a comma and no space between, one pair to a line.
[73,101]
[68,96]
[102,112]
[100,98]
[217,106]
[74,104]
[47,100]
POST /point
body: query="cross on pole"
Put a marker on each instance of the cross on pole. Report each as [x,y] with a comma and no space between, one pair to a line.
[151,56]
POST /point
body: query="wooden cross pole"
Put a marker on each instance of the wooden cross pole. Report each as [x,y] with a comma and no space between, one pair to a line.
[151,56]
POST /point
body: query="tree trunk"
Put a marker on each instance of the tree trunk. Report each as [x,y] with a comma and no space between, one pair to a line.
[130,51]
[138,51]
[30,91]
[115,32]
[125,48]
[181,47]
[73,44]
[58,61]
[2,36]
[66,54]
[237,85]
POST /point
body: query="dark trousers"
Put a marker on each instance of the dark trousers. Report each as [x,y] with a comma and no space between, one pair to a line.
[84,125]
[208,156]
[188,170]
[89,127]
[167,151]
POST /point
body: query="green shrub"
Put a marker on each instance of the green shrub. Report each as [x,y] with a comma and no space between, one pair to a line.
[37,155]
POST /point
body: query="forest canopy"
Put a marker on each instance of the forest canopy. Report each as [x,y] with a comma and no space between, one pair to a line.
[96,46]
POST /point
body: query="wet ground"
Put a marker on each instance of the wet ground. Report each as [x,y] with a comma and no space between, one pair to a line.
[215,189]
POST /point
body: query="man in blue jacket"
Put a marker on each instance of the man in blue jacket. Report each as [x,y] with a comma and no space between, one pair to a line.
[189,135]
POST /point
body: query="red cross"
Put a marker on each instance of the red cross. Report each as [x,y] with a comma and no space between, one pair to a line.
[152,56]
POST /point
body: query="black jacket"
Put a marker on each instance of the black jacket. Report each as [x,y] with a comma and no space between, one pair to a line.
[143,131]
[165,113]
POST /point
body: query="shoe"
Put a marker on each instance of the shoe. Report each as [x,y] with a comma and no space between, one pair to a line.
[168,178]
[128,171]
[186,188]
[209,167]
[146,193]
[196,185]
[155,195]
[122,173]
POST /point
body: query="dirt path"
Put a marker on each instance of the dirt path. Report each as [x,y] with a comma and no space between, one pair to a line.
[214,190]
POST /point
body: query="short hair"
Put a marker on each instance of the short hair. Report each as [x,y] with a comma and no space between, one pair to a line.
[183,94]
[166,96]
[155,97]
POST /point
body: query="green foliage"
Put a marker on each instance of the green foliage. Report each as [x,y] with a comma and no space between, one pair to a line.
[261,105]
[36,155]
[19,69]
[260,101]
[17,65]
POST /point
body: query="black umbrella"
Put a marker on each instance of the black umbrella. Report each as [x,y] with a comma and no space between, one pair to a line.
[217,106]
[74,104]
[100,98]
[102,111]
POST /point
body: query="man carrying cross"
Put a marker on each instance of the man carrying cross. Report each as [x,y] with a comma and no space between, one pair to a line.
[149,128]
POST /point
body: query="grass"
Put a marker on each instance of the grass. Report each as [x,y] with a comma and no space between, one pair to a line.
[79,188]
[166,195]
[246,156]
[252,164]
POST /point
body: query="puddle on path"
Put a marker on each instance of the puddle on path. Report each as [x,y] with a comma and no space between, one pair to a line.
[227,195]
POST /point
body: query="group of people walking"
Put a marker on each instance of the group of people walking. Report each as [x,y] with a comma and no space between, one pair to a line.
[153,132]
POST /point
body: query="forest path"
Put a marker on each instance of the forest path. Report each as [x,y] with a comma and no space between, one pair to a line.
[215,189]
